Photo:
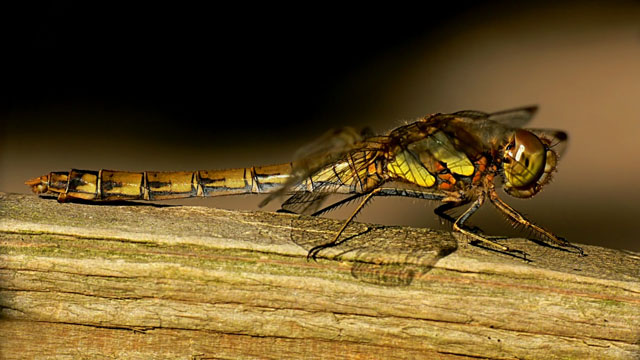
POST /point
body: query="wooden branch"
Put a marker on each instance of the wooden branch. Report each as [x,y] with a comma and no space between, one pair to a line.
[145,281]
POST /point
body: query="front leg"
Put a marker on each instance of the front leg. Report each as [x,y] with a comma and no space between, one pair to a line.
[518,218]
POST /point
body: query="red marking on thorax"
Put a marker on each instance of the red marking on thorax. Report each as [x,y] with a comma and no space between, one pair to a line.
[448,181]
[481,167]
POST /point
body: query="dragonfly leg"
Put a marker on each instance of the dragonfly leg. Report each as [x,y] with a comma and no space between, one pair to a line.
[367,196]
[441,210]
[382,191]
[338,204]
[418,194]
[385,191]
[458,225]
[518,218]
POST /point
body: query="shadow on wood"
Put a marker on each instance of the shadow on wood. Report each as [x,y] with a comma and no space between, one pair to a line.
[140,282]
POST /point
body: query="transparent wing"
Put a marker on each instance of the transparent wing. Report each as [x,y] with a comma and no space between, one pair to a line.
[472,114]
[325,150]
[334,143]
[304,202]
[347,175]
[515,118]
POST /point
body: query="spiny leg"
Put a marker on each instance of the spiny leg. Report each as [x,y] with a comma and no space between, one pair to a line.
[441,211]
[418,194]
[383,191]
[458,225]
[515,216]
[338,204]
[314,250]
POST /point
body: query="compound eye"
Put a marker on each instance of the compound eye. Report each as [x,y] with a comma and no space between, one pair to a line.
[525,160]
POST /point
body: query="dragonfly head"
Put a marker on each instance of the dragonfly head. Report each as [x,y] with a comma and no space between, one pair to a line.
[528,162]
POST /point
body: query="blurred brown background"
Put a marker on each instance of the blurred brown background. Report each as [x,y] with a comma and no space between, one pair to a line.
[183,89]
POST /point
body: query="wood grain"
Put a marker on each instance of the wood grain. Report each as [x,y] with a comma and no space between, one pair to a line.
[143,281]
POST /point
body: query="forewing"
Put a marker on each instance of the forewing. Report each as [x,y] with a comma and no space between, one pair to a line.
[475,132]
[332,144]
[515,118]
[472,114]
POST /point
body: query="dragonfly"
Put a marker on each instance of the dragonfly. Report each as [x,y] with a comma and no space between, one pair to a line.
[458,159]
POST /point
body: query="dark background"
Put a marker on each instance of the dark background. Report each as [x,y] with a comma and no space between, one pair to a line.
[182,88]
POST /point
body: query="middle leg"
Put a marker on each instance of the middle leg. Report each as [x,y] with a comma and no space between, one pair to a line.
[459,226]
[382,191]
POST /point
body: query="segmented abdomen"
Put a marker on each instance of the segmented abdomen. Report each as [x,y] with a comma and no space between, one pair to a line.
[106,185]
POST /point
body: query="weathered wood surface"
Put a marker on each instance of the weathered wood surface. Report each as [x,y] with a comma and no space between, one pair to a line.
[140,282]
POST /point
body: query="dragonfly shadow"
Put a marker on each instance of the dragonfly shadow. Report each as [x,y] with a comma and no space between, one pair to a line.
[554,247]
[109,203]
[382,255]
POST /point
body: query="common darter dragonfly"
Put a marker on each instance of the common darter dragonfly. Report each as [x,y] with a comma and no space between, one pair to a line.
[451,158]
